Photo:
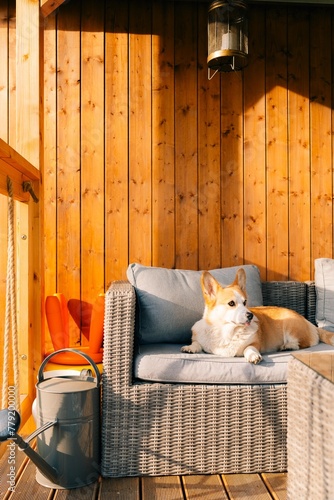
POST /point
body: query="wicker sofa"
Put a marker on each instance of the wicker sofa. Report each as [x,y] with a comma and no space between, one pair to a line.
[151,428]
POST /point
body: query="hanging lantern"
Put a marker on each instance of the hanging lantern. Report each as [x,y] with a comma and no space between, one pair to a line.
[227,36]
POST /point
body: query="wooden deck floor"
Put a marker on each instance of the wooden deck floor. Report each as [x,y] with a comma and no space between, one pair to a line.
[218,487]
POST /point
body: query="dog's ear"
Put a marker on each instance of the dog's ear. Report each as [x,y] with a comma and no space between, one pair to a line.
[240,280]
[209,286]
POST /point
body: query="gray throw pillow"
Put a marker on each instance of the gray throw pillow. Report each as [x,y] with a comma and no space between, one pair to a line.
[170,301]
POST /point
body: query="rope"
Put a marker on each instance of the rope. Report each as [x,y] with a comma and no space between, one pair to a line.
[10,315]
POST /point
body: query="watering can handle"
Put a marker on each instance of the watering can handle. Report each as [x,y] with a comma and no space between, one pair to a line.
[76,351]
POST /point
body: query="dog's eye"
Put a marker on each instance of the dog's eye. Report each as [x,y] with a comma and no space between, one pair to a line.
[231,303]
[245,302]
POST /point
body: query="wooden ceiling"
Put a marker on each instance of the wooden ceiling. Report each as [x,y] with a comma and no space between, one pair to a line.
[48,6]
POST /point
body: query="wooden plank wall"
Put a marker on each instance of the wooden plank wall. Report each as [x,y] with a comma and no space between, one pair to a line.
[147,160]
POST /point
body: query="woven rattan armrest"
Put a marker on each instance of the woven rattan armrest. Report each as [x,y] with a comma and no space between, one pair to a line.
[119,323]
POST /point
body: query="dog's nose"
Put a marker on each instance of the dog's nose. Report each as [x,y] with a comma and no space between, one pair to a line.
[249,316]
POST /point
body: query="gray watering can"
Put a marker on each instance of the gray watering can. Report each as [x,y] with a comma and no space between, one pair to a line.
[67,415]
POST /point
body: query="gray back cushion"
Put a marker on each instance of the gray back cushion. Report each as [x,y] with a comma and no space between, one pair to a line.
[324,283]
[170,301]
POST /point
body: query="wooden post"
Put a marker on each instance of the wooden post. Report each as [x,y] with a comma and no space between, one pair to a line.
[28,145]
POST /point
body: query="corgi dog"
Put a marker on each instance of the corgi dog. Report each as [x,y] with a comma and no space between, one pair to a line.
[229,328]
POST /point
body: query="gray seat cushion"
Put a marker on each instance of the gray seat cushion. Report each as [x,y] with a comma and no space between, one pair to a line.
[170,301]
[165,363]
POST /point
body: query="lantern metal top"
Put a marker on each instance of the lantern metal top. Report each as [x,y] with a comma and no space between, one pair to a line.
[232,3]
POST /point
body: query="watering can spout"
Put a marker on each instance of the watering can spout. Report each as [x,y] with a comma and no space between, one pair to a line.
[9,425]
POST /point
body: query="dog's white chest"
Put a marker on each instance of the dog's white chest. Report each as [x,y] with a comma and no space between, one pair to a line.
[228,340]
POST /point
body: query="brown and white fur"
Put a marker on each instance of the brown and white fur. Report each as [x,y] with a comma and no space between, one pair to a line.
[228,328]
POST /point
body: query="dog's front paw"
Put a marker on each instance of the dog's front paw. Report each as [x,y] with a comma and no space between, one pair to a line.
[255,358]
[252,355]
[192,349]
[187,348]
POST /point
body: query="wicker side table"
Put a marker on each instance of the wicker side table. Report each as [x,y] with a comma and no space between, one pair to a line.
[310,442]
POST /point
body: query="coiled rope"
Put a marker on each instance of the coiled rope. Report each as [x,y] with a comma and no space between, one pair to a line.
[10,315]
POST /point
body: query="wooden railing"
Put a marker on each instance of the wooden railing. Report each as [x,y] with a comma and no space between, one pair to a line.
[25,181]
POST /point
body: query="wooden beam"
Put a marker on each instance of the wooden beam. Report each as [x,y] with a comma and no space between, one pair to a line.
[313,2]
[49,6]
[18,169]
[13,158]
